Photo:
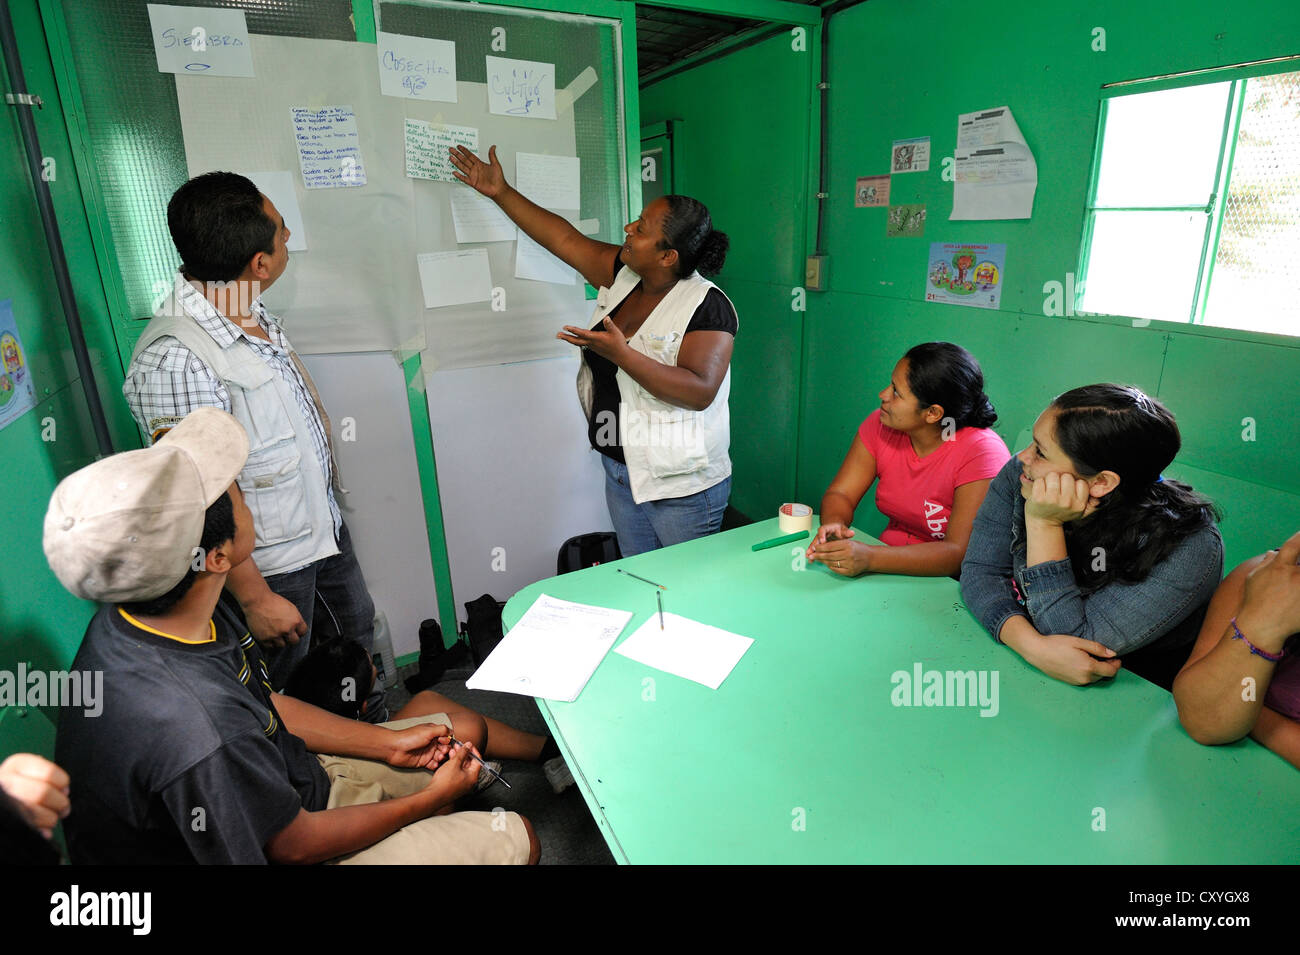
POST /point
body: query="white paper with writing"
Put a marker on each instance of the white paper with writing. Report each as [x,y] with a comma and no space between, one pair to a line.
[329,148]
[414,67]
[200,40]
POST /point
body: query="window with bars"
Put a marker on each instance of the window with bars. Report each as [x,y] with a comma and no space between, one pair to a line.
[1194,206]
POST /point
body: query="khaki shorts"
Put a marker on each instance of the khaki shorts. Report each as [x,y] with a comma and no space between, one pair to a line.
[458,838]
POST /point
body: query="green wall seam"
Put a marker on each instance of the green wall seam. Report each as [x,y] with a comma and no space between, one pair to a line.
[779,11]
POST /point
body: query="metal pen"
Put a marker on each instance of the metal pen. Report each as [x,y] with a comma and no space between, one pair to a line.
[642,579]
[483,764]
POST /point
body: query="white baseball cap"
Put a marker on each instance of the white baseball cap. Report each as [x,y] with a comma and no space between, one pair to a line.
[125,528]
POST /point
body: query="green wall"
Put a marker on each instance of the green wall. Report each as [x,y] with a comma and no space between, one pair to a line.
[901,69]
[40,622]
[742,145]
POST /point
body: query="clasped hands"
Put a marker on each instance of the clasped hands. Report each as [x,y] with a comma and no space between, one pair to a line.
[430,746]
[831,545]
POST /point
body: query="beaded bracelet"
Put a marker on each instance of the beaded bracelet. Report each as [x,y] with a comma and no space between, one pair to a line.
[1238,635]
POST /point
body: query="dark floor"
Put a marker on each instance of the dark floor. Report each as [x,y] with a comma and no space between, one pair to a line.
[562,822]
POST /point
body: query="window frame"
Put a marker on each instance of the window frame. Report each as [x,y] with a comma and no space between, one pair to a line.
[1215,207]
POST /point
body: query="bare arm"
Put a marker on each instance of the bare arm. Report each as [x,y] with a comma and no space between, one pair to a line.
[272,620]
[1220,690]
[933,558]
[329,833]
[592,258]
[841,499]
[423,745]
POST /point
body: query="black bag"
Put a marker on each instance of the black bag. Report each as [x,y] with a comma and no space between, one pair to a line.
[587,550]
[483,626]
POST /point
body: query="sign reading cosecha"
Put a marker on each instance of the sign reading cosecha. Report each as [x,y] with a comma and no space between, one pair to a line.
[16,391]
[965,273]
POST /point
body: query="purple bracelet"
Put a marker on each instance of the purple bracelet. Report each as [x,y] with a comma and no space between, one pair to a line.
[1238,635]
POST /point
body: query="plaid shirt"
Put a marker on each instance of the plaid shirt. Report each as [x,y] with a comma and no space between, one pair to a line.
[167,381]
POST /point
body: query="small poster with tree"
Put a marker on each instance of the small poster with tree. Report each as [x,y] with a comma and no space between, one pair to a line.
[964,273]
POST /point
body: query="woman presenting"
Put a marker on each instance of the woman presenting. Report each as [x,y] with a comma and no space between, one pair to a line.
[655,370]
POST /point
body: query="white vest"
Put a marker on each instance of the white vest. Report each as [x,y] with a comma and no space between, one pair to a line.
[670,451]
[282,481]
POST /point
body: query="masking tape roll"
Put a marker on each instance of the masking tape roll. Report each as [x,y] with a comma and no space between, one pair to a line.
[794,517]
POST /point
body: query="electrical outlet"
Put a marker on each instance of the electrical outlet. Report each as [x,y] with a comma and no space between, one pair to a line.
[814,275]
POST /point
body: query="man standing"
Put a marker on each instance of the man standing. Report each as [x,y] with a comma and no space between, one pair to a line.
[212,343]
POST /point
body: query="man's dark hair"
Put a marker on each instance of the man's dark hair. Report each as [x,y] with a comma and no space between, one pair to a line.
[218,224]
[218,528]
[320,679]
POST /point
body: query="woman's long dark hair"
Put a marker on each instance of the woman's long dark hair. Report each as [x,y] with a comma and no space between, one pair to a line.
[1137,525]
[944,374]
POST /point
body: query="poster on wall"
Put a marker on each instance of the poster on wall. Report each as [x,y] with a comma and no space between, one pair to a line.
[965,273]
[905,220]
[871,191]
[910,155]
[17,394]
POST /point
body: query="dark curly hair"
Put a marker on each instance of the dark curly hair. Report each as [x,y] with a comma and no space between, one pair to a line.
[689,229]
[1121,429]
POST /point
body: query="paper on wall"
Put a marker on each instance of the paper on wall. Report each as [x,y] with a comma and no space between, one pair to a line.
[553,182]
[995,173]
[872,191]
[278,187]
[427,147]
[910,155]
[416,67]
[329,147]
[966,273]
[200,40]
[17,390]
[534,262]
[454,278]
[521,88]
[479,219]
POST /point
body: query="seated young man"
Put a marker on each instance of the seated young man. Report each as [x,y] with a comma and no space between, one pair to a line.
[193,758]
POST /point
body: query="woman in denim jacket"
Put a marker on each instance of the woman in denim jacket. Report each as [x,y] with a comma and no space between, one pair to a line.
[1083,553]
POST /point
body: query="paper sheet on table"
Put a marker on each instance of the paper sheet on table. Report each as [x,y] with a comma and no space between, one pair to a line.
[278,187]
[428,146]
[552,651]
[995,173]
[200,41]
[553,182]
[479,219]
[416,67]
[329,147]
[455,278]
[534,262]
[521,88]
[686,648]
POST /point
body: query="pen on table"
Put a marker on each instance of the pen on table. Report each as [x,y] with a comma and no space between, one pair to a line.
[660,597]
[642,579]
[483,764]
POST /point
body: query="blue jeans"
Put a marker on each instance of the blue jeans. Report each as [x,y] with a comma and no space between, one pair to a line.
[332,597]
[655,524]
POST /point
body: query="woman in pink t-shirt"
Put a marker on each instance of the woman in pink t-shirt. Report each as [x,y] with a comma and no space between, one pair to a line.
[930,447]
[1251,631]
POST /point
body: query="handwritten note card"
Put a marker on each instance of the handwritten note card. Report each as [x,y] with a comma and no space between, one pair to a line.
[200,40]
[553,182]
[455,278]
[427,145]
[521,88]
[329,149]
[479,219]
[417,68]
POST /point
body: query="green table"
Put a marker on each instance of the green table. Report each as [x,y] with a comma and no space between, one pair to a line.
[803,756]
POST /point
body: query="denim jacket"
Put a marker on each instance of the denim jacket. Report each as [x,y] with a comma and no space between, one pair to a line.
[996,585]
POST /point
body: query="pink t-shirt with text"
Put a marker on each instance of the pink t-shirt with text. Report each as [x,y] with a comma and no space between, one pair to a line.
[916,494]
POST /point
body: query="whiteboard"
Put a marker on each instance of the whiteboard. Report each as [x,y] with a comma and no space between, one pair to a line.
[357,288]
